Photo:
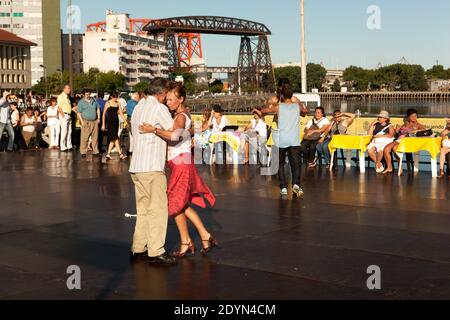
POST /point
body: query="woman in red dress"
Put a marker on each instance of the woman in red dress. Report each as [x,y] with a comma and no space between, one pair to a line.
[186,187]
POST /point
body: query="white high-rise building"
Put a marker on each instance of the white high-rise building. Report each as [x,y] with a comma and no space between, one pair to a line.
[39,22]
[138,57]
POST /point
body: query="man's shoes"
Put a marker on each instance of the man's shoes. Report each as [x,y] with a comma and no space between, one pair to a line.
[135,256]
[163,259]
[284,191]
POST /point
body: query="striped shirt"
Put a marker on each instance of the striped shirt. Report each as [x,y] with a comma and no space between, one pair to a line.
[149,151]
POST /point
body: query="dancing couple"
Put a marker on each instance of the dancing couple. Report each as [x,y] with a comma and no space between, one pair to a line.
[155,202]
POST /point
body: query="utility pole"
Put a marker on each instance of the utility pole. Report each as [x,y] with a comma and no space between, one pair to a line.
[303,46]
[69,13]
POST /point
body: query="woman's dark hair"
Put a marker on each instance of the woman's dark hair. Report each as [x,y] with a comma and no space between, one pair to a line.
[113,95]
[336,112]
[410,112]
[13,104]
[179,90]
[53,100]
[217,108]
[321,109]
[37,110]
[286,91]
[29,109]
[283,81]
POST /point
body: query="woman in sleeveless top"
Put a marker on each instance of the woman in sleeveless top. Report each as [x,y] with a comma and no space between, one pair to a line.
[411,126]
[445,150]
[383,134]
[111,125]
[186,187]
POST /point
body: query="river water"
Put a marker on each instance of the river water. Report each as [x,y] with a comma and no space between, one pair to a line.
[395,107]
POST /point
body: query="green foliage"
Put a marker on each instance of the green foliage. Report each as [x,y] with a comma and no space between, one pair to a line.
[336,87]
[315,74]
[396,77]
[93,79]
[140,87]
[438,72]
[216,86]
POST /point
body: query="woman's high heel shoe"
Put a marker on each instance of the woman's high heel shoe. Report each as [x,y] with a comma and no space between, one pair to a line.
[441,174]
[190,249]
[212,242]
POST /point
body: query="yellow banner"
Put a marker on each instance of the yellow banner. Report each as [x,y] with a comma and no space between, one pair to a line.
[359,126]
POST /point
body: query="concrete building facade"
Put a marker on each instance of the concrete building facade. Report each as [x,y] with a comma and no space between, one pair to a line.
[37,21]
[77,53]
[15,62]
[137,56]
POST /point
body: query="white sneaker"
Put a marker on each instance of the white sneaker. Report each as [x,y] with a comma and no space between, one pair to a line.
[284,192]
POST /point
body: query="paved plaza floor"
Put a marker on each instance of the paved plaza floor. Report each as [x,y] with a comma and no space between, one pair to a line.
[58,210]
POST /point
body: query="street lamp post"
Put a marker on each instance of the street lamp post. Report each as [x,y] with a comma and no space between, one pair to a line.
[46,80]
[303,46]
[69,12]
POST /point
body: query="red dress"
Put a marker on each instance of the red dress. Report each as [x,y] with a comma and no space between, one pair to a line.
[186,186]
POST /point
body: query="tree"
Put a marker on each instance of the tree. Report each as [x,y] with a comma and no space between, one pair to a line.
[438,72]
[314,72]
[216,86]
[141,87]
[336,87]
[316,76]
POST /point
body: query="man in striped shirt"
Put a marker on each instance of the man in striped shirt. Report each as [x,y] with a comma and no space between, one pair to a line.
[147,171]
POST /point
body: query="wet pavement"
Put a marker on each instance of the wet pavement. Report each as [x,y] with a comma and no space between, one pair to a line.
[58,210]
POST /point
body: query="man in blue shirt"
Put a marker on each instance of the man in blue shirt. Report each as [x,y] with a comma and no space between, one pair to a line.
[89,116]
[131,104]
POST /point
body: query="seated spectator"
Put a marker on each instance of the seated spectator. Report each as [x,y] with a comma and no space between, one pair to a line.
[256,135]
[28,124]
[383,134]
[218,120]
[411,126]
[445,148]
[314,131]
[339,125]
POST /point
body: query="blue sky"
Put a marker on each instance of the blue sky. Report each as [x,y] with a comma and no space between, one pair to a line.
[337,33]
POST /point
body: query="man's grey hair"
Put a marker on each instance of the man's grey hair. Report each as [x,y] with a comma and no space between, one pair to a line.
[157,86]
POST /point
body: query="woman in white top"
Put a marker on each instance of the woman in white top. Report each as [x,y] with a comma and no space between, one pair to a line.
[28,124]
[314,131]
[218,120]
[185,185]
[53,123]
[255,134]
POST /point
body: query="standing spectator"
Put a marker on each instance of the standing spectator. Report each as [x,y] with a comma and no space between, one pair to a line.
[89,116]
[131,104]
[15,122]
[65,104]
[5,120]
[101,102]
[111,125]
[39,125]
[53,124]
